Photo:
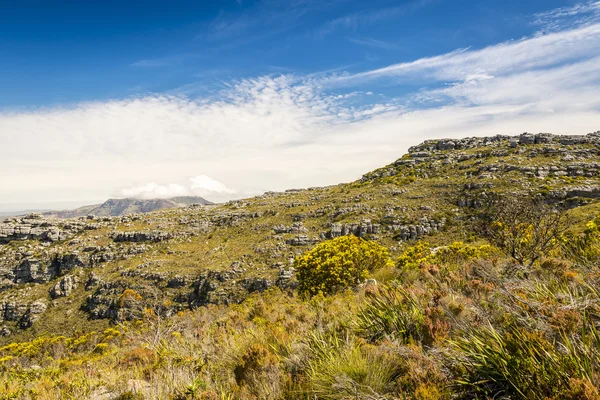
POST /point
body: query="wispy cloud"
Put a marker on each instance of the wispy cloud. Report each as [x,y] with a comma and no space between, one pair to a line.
[279,131]
[505,58]
[579,14]
[200,185]
[354,20]
[166,61]
[370,42]
[265,18]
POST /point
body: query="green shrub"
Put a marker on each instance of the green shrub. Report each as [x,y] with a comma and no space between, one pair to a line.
[339,263]
[344,369]
[453,254]
[414,256]
[392,313]
[525,228]
[518,364]
[585,247]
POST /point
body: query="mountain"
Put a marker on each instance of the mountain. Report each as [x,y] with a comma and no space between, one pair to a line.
[117,207]
[203,302]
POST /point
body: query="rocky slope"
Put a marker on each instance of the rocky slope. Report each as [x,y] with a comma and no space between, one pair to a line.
[59,275]
[118,207]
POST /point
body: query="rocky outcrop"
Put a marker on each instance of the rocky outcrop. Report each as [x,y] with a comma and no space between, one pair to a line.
[449,151]
[286,278]
[64,287]
[36,227]
[256,284]
[362,229]
[32,227]
[33,313]
[25,314]
[155,236]
[424,149]
[214,287]
[301,240]
[425,226]
[64,263]
[296,227]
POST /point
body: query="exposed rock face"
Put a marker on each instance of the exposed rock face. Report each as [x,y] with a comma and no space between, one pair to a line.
[12,311]
[592,192]
[36,227]
[425,227]
[31,227]
[425,148]
[32,270]
[296,227]
[301,240]
[362,229]
[36,309]
[25,314]
[63,263]
[156,236]
[256,284]
[287,278]
[210,289]
[64,287]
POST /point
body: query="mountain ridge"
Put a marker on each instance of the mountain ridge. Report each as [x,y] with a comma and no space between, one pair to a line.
[227,273]
[118,207]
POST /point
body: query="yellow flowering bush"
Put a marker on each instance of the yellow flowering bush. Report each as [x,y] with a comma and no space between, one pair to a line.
[339,263]
[414,256]
[584,247]
[455,253]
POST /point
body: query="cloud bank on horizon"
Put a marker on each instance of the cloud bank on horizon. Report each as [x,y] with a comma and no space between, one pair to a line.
[278,131]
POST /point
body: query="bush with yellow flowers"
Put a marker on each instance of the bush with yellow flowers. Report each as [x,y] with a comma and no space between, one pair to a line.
[422,252]
[339,263]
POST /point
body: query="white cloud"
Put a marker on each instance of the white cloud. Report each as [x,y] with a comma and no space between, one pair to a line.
[381,44]
[153,190]
[277,132]
[579,14]
[200,185]
[204,185]
[505,58]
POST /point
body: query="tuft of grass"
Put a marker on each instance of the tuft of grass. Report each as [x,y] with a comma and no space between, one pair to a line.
[522,364]
[344,368]
[392,313]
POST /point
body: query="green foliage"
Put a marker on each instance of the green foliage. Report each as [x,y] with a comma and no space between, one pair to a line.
[414,256]
[343,369]
[392,313]
[454,254]
[584,247]
[518,364]
[339,263]
[526,228]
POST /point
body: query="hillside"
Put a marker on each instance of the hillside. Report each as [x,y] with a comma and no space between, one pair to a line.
[221,284]
[118,207]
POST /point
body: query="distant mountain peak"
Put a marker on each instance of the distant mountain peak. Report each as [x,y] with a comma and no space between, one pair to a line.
[118,207]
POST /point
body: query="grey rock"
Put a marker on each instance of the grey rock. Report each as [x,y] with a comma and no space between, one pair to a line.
[256,284]
[301,240]
[156,236]
[36,309]
[64,287]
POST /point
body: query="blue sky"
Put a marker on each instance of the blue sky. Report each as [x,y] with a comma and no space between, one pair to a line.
[229,99]
[52,52]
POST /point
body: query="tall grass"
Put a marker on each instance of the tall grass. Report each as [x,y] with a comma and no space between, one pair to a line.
[521,364]
[343,368]
[392,313]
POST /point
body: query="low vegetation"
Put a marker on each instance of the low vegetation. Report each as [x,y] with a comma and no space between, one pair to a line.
[497,298]
[338,264]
